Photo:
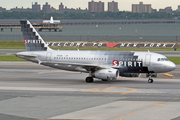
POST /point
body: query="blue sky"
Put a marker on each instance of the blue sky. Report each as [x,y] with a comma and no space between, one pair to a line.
[122,4]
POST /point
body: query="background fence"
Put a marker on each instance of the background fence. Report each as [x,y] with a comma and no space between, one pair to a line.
[97,38]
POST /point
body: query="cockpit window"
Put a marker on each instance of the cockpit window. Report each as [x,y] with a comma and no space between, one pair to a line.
[162,59]
[166,59]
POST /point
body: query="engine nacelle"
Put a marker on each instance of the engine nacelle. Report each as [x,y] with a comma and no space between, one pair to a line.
[106,74]
[129,74]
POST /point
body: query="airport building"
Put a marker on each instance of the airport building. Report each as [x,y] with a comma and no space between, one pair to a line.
[36,7]
[141,8]
[113,6]
[96,6]
[46,8]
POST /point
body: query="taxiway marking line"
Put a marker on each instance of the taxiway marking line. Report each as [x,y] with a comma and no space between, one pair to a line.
[168,74]
[100,88]
[158,104]
[153,105]
[120,118]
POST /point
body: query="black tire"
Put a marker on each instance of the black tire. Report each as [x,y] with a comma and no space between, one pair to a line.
[89,79]
[150,81]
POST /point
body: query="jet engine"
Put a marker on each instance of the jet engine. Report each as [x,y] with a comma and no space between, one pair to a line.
[129,74]
[106,74]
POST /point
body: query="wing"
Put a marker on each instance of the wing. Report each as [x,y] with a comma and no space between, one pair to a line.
[88,67]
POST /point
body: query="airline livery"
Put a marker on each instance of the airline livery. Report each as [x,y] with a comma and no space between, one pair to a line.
[104,65]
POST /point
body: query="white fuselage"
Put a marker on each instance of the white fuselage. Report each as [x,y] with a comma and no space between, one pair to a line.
[127,62]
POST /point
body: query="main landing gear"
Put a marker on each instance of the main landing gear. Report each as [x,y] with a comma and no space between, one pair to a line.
[89,79]
[150,80]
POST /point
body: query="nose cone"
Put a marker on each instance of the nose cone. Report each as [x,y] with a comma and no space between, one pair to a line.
[171,66]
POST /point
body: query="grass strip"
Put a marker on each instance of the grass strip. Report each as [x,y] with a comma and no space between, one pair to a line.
[175,60]
[12,45]
[10,58]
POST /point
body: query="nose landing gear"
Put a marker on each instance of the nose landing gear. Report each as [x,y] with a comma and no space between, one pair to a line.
[150,80]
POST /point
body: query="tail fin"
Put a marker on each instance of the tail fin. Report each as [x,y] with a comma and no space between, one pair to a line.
[51,20]
[32,39]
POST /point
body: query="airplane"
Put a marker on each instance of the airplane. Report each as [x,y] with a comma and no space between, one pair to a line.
[103,65]
[51,21]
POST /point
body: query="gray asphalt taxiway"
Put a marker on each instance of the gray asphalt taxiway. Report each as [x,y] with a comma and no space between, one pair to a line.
[29,91]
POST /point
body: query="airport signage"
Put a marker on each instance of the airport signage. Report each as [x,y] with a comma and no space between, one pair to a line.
[110,45]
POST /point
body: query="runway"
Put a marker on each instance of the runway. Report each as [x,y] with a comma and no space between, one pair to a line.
[29,91]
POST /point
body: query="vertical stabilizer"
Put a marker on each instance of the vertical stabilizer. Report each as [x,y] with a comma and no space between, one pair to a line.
[51,20]
[32,39]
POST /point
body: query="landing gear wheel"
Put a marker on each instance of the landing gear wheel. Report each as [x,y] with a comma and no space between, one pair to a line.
[89,79]
[150,81]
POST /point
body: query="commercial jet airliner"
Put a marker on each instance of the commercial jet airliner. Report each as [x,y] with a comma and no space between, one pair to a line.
[104,65]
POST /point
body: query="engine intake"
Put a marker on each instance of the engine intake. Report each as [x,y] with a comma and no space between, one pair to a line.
[106,74]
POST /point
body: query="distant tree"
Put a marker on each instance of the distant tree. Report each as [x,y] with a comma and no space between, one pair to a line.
[72,15]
